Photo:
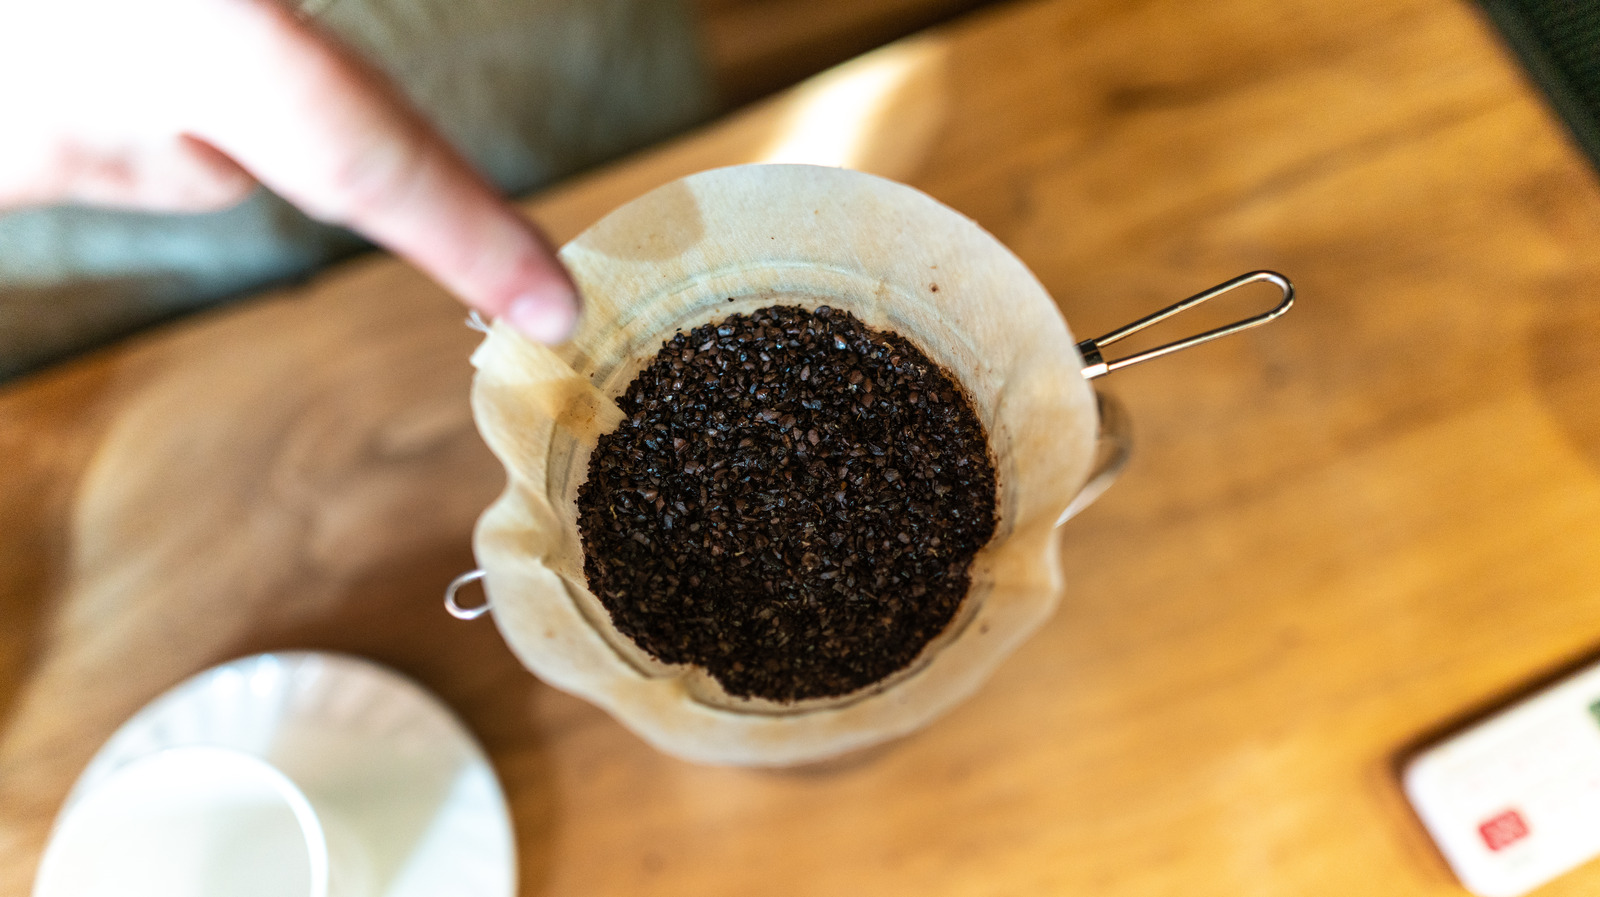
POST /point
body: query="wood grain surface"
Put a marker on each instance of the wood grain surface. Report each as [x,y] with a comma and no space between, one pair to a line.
[1338,534]
[755,47]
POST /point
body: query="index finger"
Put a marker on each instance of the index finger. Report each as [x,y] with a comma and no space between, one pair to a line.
[332,136]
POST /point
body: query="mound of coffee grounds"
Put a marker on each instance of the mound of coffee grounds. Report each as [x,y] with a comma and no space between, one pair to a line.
[792,503]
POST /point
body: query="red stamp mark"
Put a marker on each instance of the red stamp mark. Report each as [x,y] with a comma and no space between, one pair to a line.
[1504,830]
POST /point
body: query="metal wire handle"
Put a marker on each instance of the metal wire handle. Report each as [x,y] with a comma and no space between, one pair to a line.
[454,607]
[1095,365]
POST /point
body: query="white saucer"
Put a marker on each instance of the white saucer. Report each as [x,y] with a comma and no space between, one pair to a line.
[410,782]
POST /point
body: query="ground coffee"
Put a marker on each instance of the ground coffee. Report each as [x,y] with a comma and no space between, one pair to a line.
[792,503]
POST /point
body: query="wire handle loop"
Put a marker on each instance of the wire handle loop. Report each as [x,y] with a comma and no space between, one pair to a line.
[1095,365]
[454,606]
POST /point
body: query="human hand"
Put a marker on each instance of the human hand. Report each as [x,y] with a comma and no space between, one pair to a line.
[185,105]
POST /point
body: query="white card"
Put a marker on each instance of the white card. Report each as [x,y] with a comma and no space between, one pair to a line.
[1514,801]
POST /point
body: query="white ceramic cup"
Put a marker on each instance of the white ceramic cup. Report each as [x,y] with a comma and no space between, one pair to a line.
[196,822]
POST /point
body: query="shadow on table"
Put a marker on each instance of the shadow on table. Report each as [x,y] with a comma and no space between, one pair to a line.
[1564,357]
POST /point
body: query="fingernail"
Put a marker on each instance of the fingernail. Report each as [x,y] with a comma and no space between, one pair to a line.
[547,316]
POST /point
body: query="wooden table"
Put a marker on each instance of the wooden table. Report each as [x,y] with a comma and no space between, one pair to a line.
[1339,533]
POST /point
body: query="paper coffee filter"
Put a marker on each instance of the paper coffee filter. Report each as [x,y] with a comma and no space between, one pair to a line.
[735,240]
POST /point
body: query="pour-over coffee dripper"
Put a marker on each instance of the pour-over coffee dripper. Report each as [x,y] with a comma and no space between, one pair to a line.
[735,240]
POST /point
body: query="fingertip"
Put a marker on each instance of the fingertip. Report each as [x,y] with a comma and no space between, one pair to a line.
[547,313]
